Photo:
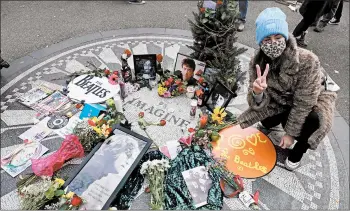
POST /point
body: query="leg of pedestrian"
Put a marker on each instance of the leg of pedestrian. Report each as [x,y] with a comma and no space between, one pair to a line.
[328,16]
[338,14]
[243,9]
[137,2]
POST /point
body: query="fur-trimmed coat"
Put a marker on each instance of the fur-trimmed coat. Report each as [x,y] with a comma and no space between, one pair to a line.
[297,85]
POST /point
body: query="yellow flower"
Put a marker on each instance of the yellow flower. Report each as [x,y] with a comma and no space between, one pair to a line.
[218,115]
[161,90]
[69,195]
[59,181]
[97,130]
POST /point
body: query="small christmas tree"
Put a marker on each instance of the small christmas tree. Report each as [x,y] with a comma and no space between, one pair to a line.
[214,33]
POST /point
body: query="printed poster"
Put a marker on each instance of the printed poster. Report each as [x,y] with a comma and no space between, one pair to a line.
[51,103]
[33,96]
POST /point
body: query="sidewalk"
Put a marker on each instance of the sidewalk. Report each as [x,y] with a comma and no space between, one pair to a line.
[320,183]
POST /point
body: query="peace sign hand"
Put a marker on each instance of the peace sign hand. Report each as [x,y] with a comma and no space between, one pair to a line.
[260,83]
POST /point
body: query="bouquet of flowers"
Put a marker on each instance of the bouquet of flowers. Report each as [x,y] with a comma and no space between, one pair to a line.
[155,173]
[36,194]
[171,86]
[207,129]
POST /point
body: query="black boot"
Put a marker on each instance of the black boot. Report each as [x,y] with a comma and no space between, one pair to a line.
[4,64]
[301,41]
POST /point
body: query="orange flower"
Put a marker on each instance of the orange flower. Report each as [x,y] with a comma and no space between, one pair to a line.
[159,57]
[219,2]
[109,130]
[199,92]
[166,83]
[78,105]
[203,121]
[107,72]
[127,52]
[91,123]
[178,82]
[76,201]
[181,89]
[191,130]
[200,80]
[162,122]
[202,9]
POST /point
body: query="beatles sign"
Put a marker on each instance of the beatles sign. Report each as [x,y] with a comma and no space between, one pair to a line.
[248,152]
[92,89]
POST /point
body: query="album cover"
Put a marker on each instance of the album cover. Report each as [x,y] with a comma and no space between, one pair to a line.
[20,159]
[145,66]
[33,96]
[198,183]
[51,103]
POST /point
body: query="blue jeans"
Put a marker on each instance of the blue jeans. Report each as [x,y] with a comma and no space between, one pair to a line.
[243,9]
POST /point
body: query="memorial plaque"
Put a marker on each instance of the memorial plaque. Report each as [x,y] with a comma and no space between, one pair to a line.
[249,152]
[106,169]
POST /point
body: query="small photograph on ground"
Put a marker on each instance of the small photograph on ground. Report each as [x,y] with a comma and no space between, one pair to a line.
[190,68]
[198,183]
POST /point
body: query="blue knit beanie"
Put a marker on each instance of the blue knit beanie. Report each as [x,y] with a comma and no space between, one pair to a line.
[269,22]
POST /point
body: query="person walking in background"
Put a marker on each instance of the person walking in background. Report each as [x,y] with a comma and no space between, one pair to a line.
[137,2]
[338,14]
[309,10]
[243,9]
[287,85]
[329,13]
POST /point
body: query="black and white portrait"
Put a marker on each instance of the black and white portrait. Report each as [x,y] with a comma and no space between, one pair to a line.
[198,183]
[102,174]
[145,66]
[219,96]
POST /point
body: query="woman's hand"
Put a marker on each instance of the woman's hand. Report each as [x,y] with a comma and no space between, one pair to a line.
[260,84]
[286,141]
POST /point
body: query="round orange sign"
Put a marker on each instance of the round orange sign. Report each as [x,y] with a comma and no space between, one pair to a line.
[248,152]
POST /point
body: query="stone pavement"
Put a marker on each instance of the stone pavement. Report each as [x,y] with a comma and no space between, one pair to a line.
[320,183]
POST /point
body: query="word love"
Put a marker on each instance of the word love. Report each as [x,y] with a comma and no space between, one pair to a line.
[92,87]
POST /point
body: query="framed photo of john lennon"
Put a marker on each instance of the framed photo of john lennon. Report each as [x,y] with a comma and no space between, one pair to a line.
[189,67]
[105,170]
[145,66]
[219,96]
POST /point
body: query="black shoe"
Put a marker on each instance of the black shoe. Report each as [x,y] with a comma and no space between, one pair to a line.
[314,24]
[301,43]
[334,21]
[139,2]
[4,64]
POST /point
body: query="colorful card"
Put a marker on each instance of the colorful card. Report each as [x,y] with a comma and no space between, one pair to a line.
[20,159]
[51,103]
[198,183]
[38,132]
[33,96]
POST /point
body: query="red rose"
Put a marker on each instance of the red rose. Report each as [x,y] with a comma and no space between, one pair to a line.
[162,122]
[141,114]
[219,2]
[91,123]
[167,84]
[202,9]
[178,82]
[181,90]
[127,52]
[76,201]
[171,80]
[107,72]
[159,58]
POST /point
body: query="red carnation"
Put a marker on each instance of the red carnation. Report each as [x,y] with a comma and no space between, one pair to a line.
[141,114]
[115,72]
[162,122]
[171,80]
[200,80]
[107,72]
[167,83]
[76,201]
[191,130]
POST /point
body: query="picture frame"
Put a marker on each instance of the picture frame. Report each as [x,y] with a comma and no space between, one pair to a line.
[219,95]
[192,63]
[145,66]
[92,180]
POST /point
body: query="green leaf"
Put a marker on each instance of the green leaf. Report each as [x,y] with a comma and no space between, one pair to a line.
[206,14]
[59,192]
[223,16]
[49,194]
[204,20]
